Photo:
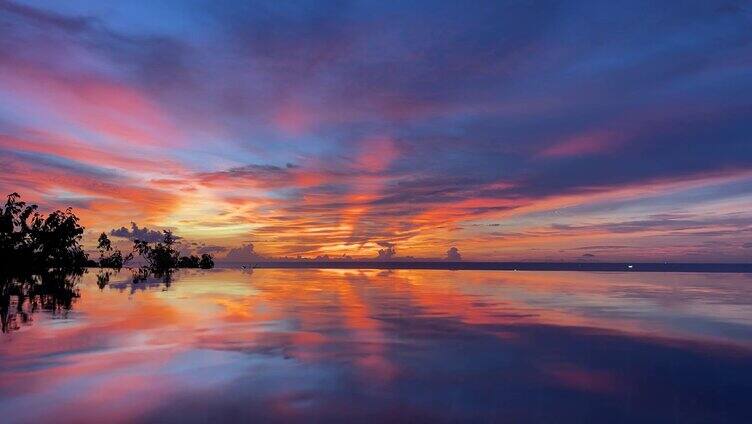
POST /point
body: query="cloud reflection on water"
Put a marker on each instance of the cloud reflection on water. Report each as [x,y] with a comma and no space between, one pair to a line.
[421,345]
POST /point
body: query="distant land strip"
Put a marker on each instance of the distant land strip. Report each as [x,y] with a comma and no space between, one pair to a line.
[507,266]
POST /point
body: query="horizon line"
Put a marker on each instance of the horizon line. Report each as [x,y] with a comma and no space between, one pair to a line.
[627,266]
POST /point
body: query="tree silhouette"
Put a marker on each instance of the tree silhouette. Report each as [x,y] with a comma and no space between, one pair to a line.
[189,261]
[206,262]
[162,256]
[103,243]
[28,240]
[108,257]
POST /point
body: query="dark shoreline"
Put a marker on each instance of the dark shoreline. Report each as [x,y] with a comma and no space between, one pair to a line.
[506,266]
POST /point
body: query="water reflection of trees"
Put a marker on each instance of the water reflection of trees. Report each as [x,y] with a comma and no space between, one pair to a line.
[147,276]
[139,279]
[56,291]
[23,295]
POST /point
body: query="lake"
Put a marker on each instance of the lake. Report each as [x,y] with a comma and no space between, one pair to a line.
[383,346]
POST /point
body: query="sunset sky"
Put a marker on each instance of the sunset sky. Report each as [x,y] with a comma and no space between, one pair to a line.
[512,130]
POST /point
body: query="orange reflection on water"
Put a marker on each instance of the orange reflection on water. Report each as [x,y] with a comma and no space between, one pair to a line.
[296,342]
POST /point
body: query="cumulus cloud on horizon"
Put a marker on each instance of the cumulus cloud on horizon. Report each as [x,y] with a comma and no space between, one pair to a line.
[245,253]
[211,249]
[389,251]
[136,233]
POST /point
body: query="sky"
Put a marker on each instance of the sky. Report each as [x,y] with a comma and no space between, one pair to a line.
[510,130]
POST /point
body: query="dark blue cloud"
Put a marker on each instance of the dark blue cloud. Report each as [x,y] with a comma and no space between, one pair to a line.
[136,233]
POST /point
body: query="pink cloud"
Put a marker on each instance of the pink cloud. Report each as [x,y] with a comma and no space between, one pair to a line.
[293,118]
[376,154]
[584,144]
[109,109]
[78,150]
[111,200]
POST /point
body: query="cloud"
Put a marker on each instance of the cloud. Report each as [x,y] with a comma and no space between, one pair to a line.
[584,144]
[600,247]
[211,249]
[662,222]
[453,254]
[136,233]
[387,253]
[265,176]
[401,131]
[245,253]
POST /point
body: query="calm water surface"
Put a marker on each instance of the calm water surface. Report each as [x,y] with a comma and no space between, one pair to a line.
[346,345]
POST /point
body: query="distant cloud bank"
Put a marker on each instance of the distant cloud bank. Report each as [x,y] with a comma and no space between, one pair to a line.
[136,233]
[453,254]
[245,253]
